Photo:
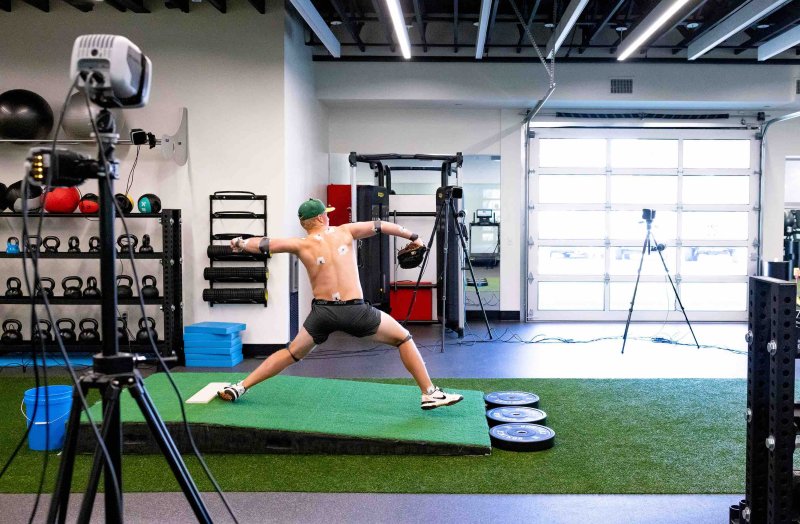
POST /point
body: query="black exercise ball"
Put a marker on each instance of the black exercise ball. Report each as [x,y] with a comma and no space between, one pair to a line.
[24,115]
[3,190]
[14,197]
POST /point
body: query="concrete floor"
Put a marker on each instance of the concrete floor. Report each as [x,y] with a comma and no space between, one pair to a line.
[345,357]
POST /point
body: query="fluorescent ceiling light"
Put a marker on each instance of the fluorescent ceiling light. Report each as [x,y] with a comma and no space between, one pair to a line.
[318,25]
[659,16]
[565,25]
[400,29]
[486,6]
[745,16]
[779,44]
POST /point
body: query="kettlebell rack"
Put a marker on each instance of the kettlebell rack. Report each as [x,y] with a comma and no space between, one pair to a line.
[223,253]
[170,299]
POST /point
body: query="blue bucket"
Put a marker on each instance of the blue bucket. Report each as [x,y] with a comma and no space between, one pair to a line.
[59,402]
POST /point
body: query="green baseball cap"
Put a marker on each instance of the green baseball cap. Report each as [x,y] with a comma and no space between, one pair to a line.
[311,208]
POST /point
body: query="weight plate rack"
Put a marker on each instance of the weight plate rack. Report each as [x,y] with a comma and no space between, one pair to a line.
[170,343]
[219,250]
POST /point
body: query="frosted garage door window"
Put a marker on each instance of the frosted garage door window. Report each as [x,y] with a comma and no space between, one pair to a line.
[714,296]
[624,260]
[721,154]
[651,296]
[721,225]
[573,225]
[733,190]
[571,260]
[570,296]
[644,154]
[714,260]
[626,225]
[572,189]
[572,152]
[644,189]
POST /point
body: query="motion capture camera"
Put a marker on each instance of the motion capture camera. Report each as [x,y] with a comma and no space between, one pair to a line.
[648,214]
[453,192]
[112,69]
[140,136]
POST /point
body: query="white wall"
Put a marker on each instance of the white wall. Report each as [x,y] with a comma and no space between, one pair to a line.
[228,70]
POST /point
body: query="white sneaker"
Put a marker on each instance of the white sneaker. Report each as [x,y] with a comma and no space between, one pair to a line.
[232,393]
[437,397]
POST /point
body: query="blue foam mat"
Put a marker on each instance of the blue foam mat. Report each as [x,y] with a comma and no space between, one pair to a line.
[210,361]
[210,337]
[212,350]
[218,328]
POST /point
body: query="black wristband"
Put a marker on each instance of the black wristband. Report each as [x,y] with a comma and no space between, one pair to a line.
[413,237]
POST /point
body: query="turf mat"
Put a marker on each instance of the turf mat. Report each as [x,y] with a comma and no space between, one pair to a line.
[612,436]
[301,415]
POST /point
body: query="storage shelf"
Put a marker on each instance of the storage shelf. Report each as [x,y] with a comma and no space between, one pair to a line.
[61,301]
[35,214]
[86,255]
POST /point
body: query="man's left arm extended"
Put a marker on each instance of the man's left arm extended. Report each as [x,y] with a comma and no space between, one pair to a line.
[368,229]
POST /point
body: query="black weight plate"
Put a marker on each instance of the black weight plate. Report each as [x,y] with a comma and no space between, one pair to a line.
[522,437]
[513,414]
[497,399]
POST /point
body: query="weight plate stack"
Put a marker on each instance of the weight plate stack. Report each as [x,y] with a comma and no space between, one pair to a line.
[511,414]
[522,437]
[497,399]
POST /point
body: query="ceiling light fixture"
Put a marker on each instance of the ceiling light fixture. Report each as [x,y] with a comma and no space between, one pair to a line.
[399,24]
[746,16]
[483,27]
[692,25]
[779,44]
[565,25]
[659,16]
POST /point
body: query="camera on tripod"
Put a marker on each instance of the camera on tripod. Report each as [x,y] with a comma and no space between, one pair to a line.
[648,214]
[453,192]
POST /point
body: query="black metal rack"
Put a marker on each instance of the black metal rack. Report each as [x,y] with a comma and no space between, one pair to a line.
[170,343]
[222,253]
[771,484]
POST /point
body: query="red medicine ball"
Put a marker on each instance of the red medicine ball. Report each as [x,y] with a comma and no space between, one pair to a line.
[89,204]
[61,200]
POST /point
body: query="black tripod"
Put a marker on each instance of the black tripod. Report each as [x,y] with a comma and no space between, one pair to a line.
[113,371]
[446,213]
[648,215]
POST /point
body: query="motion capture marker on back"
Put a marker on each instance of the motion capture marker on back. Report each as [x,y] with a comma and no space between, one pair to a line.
[318,237]
[330,230]
[337,296]
[342,250]
[320,260]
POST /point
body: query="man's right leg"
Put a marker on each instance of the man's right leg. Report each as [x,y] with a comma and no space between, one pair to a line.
[275,363]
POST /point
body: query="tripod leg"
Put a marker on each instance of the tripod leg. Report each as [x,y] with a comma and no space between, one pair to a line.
[678,297]
[170,451]
[446,219]
[471,271]
[423,265]
[635,288]
[60,500]
[112,394]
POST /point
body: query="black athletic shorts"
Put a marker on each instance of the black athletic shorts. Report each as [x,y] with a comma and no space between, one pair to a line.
[354,317]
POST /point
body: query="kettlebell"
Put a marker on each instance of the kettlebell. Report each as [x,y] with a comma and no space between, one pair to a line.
[127,245]
[91,290]
[94,245]
[74,244]
[122,330]
[146,324]
[123,290]
[32,243]
[146,246]
[12,331]
[72,291]
[40,289]
[42,331]
[89,331]
[51,244]
[149,290]
[67,333]
[12,246]
[14,287]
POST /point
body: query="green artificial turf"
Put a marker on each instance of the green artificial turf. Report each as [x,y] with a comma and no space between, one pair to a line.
[364,410]
[613,436]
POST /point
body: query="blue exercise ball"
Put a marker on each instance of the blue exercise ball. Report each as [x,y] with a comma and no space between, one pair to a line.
[24,115]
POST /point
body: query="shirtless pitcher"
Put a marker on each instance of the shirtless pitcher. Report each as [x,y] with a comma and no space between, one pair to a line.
[338,305]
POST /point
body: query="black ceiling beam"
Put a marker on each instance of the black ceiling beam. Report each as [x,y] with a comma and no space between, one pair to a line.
[81,5]
[347,20]
[527,27]
[137,6]
[713,12]
[5,5]
[627,23]
[596,30]
[455,26]
[785,19]
[492,20]
[260,5]
[43,5]
[387,27]
[418,6]
[221,5]
[183,5]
